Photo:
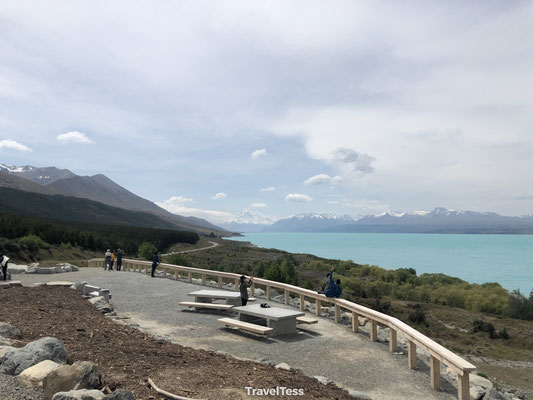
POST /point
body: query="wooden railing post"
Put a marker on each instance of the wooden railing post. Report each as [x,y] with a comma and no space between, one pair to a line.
[252,289]
[177,274]
[337,313]
[237,283]
[411,355]
[203,279]
[355,321]
[463,386]
[190,277]
[268,292]
[393,341]
[373,331]
[302,302]
[219,281]
[146,270]
[287,297]
[435,372]
[318,307]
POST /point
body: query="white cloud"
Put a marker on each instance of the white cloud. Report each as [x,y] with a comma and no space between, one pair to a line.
[298,198]
[333,202]
[11,144]
[259,153]
[258,205]
[268,189]
[176,205]
[322,179]
[219,196]
[73,137]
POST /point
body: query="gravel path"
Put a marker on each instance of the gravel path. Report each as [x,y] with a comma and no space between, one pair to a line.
[325,349]
[11,388]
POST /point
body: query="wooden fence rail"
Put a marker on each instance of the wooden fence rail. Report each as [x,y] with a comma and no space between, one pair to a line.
[438,354]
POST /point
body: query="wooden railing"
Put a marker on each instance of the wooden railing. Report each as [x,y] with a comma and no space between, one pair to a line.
[438,354]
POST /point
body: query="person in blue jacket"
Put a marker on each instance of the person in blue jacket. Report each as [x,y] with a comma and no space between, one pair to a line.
[155,263]
[334,289]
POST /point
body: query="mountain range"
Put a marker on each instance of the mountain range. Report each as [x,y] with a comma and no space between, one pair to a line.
[439,220]
[51,182]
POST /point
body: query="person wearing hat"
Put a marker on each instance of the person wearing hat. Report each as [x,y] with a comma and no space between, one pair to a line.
[107,259]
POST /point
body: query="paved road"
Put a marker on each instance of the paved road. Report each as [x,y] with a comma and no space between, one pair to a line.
[326,349]
[213,244]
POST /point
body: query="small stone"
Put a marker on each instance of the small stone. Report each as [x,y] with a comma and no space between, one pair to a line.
[83,394]
[323,380]
[284,366]
[120,394]
[8,330]
[358,395]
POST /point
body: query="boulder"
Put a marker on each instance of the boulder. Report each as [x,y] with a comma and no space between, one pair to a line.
[476,380]
[80,375]
[82,394]
[8,331]
[101,304]
[17,269]
[32,269]
[74,268]
[79,286]
[493,394]
[120,394]
[4,349]
[259,292]
[47,348]
[477,392]
[35,375]
[42,270]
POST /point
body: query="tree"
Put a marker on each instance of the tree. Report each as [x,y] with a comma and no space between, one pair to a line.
[147,250]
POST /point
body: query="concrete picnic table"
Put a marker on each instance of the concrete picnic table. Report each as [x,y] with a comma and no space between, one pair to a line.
[282,320]
[207,296]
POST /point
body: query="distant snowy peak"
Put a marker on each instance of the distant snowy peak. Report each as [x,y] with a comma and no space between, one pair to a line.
[249,216]
[42,176]
[13,169]
[323,217]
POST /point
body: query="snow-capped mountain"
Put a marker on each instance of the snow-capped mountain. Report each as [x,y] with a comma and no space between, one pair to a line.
[248,221]
[42,176]
[310,222]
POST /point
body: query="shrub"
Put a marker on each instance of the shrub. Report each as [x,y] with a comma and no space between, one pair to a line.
[417,316]
[34,243]
[147,250]
[178,259]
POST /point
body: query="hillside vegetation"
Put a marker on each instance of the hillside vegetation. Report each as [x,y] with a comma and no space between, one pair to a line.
[24,237]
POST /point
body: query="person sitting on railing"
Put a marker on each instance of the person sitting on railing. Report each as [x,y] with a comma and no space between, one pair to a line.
[243,287]
[334,289]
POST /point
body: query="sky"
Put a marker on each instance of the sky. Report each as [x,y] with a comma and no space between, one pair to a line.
[215,108]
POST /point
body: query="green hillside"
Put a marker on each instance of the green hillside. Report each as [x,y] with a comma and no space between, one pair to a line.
[63,208]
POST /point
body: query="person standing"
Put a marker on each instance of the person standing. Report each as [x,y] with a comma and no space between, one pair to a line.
[120,253]
[112,260]
[243,288]
[334,289]
[155,263]
[3,262]
[107,259]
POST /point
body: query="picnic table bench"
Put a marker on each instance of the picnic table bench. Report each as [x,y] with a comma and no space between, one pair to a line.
[205,299]
[281,320]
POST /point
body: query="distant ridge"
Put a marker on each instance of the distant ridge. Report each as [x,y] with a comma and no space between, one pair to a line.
[15,182]
[42,176]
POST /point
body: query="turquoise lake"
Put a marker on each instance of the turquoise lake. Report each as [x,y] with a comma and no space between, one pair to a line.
[506,259]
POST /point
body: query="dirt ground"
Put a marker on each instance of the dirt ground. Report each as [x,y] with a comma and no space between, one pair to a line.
[127,357]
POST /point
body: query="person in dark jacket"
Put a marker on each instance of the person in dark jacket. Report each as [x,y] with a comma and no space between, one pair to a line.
[334,289]
[155,263]
[120,253]
[243,287]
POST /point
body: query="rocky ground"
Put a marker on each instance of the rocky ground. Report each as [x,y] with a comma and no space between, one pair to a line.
[127,357]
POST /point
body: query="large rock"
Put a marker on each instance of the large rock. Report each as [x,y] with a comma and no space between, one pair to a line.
[80,375]
[101,304]
[45,270]
[47,348]
[8,330]
[82,394]
[17,269]
[120,394]
[4,349]
[79,286]
[35,375]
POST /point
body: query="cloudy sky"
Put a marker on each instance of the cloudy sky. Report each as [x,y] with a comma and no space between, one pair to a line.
[214,107]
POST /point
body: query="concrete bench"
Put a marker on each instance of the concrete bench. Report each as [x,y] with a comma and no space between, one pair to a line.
[214,306]
[306,320]
[247,326]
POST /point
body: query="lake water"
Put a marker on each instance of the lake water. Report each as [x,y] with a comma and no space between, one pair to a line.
[506,259]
